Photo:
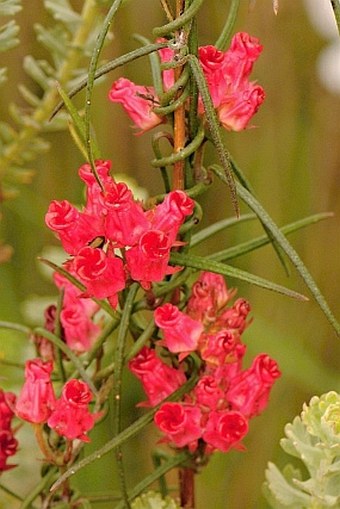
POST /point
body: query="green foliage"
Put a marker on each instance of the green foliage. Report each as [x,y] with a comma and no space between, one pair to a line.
[69,40]
[152,500]
[8,31]
[314,438]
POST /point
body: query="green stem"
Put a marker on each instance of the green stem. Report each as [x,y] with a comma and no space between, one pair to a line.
[91,77]
[45,481]
[15,326]
[117,389]
[158,473]
[178,23]
[223,39]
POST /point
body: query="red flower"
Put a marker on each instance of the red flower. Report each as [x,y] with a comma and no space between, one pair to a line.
[36,399]
[236,110]
[169,215]
[102,274]
[209,295]
[8,447]
[71,417]
[249,390]
[149,261]
[8,444]
[73,228]
[137,101]
[180,423]
[181,332]
[225,430]
[218,349]
[158,379]
[125,219]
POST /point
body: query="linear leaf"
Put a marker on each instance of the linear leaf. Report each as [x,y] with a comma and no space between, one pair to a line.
[201,263]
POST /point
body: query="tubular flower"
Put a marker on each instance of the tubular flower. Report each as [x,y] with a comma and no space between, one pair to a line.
[102,273]
[225,430]
[180,423]
[8,443]
[36,400]
[159,380]
[235,98]
[137,101]
[181,333]
[148,261]
[71,417]
[249,390]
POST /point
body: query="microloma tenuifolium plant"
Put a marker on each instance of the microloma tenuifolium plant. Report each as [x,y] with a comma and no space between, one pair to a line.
[129,275]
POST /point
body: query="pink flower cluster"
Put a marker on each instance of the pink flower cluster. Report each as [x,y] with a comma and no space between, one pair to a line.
[112,216]
[132,244]
[69,415]
[235,98]
[216,412]
[8,443]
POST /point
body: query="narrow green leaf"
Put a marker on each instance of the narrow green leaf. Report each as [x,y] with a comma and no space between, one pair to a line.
[256,207]
[15,326]
[155,66]
[91,78]
[179,22]
[213,123]
[224,38]
[126,434]
[117,388]
[207,232]
[110,66]
[247,247]
[78,122]
[201,263]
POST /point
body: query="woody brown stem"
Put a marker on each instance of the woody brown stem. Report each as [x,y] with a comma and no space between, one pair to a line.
[187,487]
[179,122]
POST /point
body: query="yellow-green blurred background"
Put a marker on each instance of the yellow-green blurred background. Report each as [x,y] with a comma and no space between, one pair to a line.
[292,158]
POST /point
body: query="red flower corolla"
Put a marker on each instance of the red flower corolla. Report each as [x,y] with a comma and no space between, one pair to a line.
[71,417]
[249,390]
[244,50]
[36,399]
[125,219]
[8,447]
[148,261]
[158,379]
[209,295]
[7,404]
[76,317]
[94,206]
[8,443]
[236,110]
[218,349]
[235,98]
[180,423]
[79,330]
[208,394]
[73,228]
[235,317]
[212,63]
[225,430]
[169,215]
[181,332]
[138,102]
[102,273]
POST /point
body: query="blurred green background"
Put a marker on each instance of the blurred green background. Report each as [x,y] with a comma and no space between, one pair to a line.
[292,158]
